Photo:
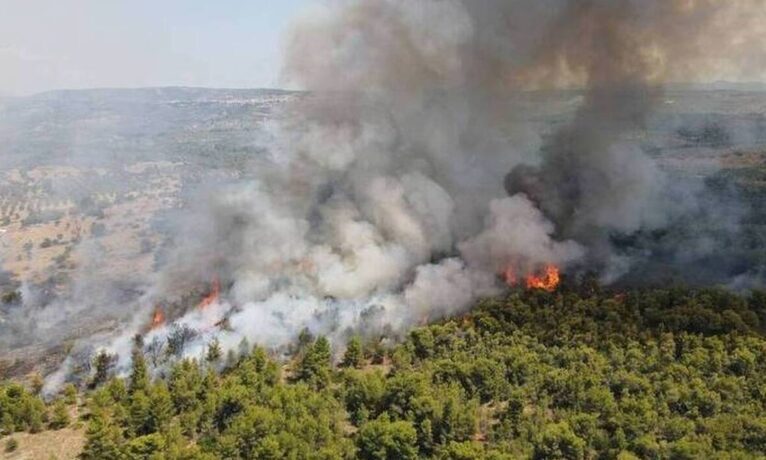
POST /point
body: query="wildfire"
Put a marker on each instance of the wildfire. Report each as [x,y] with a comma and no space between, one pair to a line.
[546,279]
[158,317]
[212,296]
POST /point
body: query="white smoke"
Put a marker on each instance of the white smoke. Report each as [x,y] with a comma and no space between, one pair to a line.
[383,202]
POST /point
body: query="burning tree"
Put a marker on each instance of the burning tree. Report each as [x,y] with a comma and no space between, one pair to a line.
[547,279]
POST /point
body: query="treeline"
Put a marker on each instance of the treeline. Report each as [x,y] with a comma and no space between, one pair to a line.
[581,374]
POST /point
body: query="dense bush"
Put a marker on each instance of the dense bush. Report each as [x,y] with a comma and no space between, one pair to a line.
[20,410]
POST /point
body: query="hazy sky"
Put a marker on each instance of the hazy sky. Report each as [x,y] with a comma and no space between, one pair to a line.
[53,44]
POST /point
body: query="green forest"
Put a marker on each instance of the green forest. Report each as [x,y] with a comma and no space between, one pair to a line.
[581,373]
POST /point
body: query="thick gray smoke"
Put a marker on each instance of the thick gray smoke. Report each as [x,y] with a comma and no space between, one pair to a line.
[432,86]
[594,181]
[385,200]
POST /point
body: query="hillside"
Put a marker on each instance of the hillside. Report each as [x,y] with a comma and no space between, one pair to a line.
[96,184]
[578,374]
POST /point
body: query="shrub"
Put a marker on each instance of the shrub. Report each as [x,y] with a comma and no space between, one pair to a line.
[11,445]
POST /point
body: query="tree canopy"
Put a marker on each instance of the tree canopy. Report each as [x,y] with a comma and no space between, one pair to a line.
[577,374]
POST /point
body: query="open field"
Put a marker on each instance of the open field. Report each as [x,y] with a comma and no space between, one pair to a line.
[64,444]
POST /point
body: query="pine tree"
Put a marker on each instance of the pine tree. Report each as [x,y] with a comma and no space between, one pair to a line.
[382,439]
[161,407]
[103,362]
[145,447]
[314,368]
[354,356]
[231,359]
[139,417]
[305,340]
[70,394]
[214,352]
[103,439]
[34,410]
[117,390]
[60,417]
[139,376]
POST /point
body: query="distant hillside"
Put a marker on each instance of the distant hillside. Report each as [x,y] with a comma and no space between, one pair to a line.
[104,127]
[164,93]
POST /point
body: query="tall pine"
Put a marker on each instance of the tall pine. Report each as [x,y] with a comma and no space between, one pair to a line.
[314,367]
[139,376]
[103,439]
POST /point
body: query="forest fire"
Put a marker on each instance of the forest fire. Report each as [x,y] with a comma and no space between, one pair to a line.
[546,279]
[212,296]
[158,317]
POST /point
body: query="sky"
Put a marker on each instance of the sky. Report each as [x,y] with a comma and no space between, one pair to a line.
[69,44]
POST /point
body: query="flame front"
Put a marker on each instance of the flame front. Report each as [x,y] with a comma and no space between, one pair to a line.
[546,279]
[212,297]
[158,317]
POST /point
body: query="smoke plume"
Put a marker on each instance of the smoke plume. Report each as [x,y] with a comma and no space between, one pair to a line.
[387,199]
[403,185]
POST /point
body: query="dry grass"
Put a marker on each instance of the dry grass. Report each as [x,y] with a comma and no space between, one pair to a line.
[126,220]
[64,444]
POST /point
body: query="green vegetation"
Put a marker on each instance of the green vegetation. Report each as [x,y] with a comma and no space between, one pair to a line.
[674,373]
[354,355]
[60,417]
[70,394]
[20,410]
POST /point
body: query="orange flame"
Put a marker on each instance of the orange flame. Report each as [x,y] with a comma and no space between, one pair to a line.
[158,318]
[546,279]
[212,297]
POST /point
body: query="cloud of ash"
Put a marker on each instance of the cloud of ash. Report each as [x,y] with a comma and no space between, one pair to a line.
[400,188]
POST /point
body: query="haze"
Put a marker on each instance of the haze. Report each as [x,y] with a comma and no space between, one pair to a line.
[53,44]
